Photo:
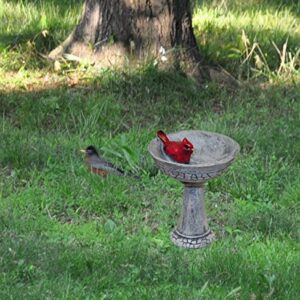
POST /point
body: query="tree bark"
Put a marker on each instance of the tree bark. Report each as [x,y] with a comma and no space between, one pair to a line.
[113,31]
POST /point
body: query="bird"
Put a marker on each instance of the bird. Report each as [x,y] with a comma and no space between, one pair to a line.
[98,165]
[179,151]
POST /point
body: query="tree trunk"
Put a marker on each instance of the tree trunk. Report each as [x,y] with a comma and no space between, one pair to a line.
[113,31]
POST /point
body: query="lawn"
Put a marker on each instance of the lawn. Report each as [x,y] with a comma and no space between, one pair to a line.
[68,234]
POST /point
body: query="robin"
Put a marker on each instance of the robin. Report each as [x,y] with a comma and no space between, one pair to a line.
[98,165]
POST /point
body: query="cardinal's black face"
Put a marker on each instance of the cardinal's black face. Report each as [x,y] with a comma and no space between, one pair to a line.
[91,150]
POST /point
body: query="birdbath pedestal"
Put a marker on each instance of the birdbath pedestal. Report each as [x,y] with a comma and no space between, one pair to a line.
[213,153]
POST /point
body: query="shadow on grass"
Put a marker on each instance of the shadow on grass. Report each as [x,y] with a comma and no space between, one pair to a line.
[43,128]
[54,18]
[111,104]
[146,99]
[91,259]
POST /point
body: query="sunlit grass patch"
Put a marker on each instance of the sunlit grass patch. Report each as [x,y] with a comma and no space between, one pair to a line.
[249,39]
[23,20]
[32,27]
[254,39]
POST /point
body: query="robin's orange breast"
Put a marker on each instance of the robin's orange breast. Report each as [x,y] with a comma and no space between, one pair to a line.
[99,171]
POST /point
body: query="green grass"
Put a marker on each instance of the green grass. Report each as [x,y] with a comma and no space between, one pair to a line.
[67,234]
[250,38]
[29,28]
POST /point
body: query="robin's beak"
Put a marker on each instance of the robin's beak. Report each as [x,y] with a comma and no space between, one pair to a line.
[82,150]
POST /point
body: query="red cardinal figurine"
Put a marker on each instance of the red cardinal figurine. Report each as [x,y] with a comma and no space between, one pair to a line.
[179,151]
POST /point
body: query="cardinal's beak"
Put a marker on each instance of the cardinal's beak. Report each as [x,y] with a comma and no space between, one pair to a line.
[82,150]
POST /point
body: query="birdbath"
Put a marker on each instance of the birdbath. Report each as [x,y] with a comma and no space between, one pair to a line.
[213,153]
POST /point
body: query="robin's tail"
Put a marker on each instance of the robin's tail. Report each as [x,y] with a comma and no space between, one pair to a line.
[129,174]
[162,136]
[121,172]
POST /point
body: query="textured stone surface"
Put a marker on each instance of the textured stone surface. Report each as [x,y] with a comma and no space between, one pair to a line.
[192,242]
[193,221]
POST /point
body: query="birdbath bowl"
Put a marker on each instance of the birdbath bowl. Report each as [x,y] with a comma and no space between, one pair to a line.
[213,153]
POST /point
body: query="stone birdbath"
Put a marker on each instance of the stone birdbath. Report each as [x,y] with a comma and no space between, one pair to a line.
[213,153]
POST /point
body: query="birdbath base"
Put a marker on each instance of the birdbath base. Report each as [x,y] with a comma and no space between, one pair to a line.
[192,242]
[192,229]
